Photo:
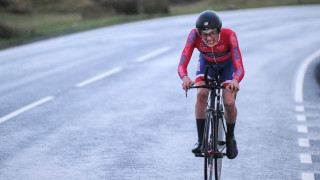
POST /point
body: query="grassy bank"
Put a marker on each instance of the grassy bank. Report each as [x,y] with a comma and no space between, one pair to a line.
[39,26]
[26,27]
[221,5]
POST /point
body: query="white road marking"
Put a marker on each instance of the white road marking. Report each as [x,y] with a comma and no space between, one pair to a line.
[308,176]
[299,108]
[302,118]
[305,159]
[26,108]
[81,84]
[99,77]
[301,74]
[302,129]
[155,53]
[304,142]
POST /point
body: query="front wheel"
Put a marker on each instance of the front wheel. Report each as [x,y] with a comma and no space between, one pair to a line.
[208,146]
[220,147]
[208,167]
[217,168]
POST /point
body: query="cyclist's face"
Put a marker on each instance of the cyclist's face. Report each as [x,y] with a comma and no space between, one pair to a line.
[210,37]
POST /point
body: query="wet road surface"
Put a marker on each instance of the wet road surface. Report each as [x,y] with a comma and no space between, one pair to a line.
[108,103]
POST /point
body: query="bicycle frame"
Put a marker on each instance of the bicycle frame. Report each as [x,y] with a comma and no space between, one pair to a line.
[213,112]
[214,133]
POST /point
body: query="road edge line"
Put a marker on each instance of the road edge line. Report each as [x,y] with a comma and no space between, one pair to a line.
[301,74]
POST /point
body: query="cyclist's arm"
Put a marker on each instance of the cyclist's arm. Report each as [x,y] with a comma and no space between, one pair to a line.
[236,57]
[186,54]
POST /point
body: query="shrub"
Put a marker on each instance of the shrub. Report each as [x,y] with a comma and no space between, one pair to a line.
[129,7]
[7,32]
[154,7]
[121,7]
[5,3]
[182,1]
[15,6]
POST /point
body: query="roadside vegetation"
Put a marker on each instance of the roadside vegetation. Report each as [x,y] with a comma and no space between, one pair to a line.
[22,21]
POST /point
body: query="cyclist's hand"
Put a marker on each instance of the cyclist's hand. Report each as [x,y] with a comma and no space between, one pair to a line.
[233,86]
[187,83]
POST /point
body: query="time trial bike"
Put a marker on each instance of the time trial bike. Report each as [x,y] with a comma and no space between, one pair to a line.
[213,147]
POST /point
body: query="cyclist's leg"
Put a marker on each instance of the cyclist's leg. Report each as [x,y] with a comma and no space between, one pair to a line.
[202,93]
[200,112]
[227,70]
[230,108]
[201,104]
[200,107]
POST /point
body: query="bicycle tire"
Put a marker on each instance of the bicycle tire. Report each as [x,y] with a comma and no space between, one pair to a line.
[220,143]
[208,145]
[209,163]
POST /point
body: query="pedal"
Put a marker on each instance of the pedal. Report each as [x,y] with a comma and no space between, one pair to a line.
[221,143]
[218,155]
[198,155]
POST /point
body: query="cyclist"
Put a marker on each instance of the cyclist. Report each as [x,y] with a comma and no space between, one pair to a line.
[218,47]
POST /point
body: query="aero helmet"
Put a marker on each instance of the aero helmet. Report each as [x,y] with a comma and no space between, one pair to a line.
[208,20]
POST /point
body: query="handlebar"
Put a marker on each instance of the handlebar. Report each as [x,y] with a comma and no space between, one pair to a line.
[210,86]
[213,83]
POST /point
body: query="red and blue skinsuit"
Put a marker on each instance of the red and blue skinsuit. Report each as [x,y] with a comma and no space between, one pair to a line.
[227,50]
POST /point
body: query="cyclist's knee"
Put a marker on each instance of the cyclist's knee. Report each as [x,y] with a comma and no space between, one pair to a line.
[229,101]
[202,95]
[229,104]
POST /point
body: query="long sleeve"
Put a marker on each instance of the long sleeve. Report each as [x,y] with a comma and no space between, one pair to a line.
[186,54]
[236,57]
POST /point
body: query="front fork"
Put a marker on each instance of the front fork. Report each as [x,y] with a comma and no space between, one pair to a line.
[213,114]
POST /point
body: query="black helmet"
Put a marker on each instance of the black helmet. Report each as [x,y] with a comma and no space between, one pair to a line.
[208,20]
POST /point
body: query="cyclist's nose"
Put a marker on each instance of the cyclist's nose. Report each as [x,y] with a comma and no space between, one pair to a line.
[209,38]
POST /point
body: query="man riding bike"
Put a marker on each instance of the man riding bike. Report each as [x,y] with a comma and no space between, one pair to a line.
[218,47]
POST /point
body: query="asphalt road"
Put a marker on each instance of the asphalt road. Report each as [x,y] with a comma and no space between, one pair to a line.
[108,103]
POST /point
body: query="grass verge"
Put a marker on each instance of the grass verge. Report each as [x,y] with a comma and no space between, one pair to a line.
[20,29]
[40,26]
